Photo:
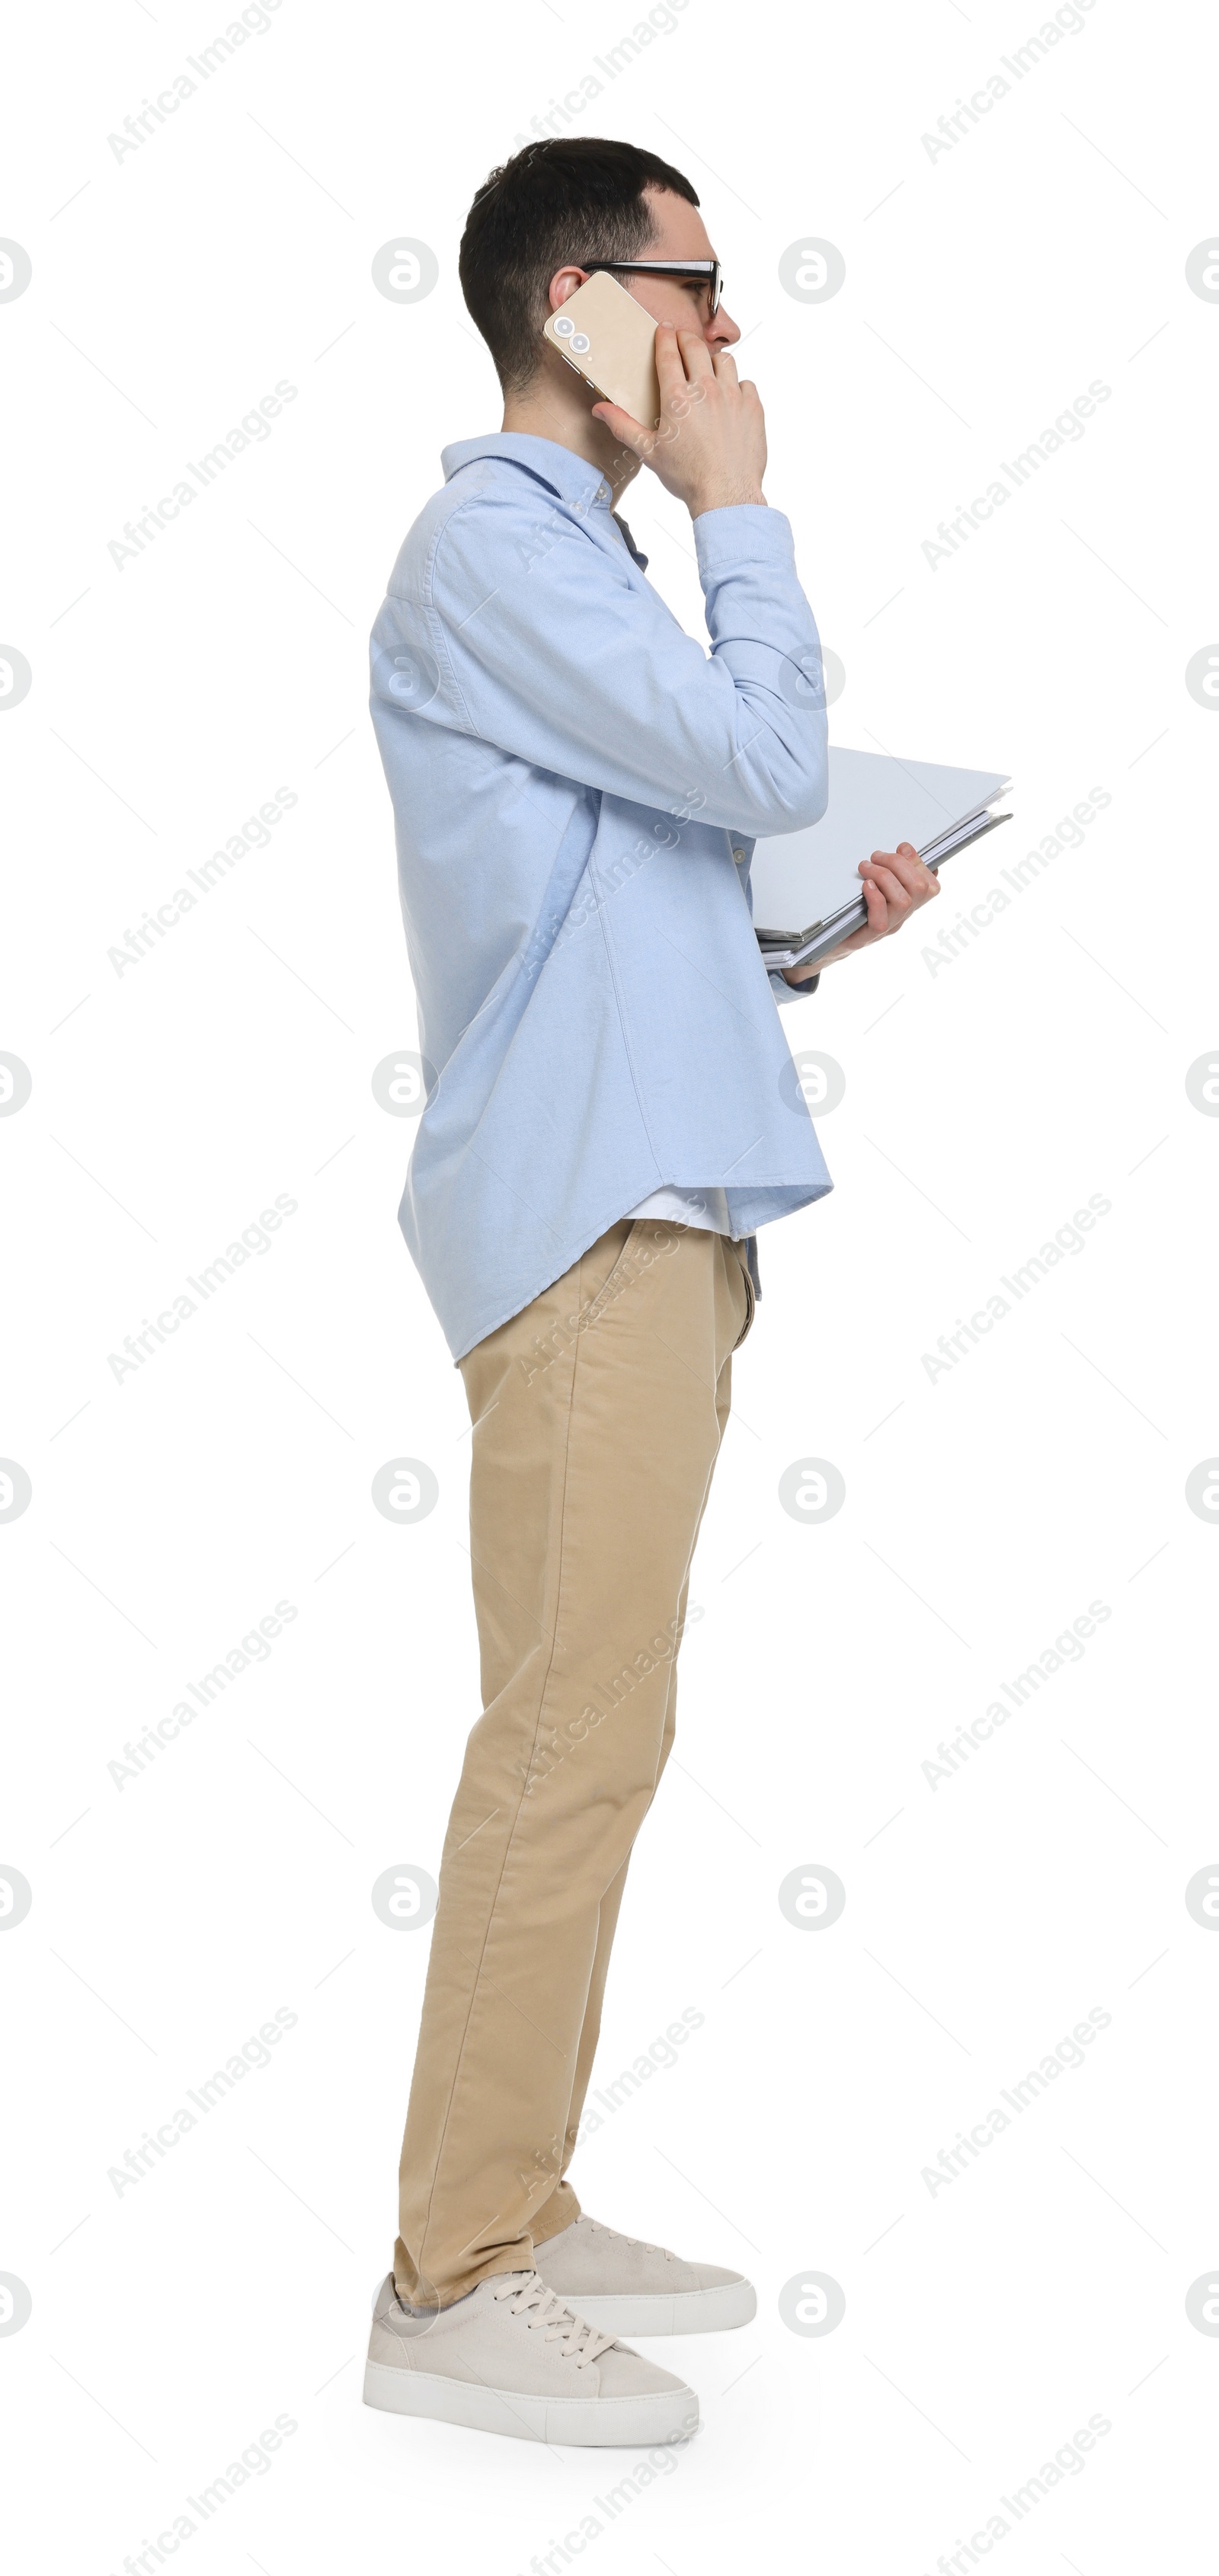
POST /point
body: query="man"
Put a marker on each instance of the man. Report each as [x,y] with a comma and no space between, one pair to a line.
[577,789]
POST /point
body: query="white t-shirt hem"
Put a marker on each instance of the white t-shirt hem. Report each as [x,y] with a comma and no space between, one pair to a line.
[707,1209]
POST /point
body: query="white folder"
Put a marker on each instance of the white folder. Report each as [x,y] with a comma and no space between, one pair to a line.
[807,891]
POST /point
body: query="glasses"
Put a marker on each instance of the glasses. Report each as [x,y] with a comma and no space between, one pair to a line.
[708,272]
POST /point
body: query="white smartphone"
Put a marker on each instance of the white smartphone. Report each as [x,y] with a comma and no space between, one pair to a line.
[610,341]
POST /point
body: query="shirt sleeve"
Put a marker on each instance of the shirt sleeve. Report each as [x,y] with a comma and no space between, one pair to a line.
[549,642]
[785,992]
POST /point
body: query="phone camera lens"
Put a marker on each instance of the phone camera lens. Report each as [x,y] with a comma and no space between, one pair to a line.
[564,326]
[581,341]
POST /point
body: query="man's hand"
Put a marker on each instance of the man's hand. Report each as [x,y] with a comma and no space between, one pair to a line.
[895,883]
[710,448]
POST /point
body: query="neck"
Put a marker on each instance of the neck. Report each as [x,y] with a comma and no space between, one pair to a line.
[546,408]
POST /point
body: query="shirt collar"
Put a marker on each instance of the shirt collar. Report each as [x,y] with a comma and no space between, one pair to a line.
[571,476]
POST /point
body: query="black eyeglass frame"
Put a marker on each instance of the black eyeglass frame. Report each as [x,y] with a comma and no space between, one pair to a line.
[707,269]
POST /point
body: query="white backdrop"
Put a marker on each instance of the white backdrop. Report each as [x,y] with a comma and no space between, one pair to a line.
[158,2315]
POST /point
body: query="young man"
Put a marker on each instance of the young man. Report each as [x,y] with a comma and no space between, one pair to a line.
[577,789]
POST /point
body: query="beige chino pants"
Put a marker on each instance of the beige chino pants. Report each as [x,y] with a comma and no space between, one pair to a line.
[598,1414]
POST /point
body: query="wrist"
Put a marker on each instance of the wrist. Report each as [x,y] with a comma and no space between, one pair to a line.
[726,496]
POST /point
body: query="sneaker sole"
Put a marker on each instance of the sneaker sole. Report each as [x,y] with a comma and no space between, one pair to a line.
[596,2423]
[631,2313]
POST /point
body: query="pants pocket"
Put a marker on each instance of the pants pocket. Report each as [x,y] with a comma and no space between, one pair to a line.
[750,1299]
[613,1252]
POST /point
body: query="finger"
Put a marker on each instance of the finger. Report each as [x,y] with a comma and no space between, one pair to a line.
[888,885]
[725,366]
[907,864]
[874,927]
[696,354]
[883,865]
[923,883]
[670,366]
[630,433]
[917,882]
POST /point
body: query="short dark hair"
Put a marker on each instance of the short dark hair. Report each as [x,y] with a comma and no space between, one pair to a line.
[555,203]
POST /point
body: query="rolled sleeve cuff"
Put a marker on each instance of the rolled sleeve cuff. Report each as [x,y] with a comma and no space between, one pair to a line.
[745,532]
[785,992]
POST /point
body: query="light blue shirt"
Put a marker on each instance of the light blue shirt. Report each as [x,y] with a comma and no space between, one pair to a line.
[577,787]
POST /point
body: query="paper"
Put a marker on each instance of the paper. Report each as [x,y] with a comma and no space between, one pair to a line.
[804,882]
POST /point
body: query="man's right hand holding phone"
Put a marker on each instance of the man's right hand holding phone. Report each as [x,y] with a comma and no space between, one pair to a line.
[710,447]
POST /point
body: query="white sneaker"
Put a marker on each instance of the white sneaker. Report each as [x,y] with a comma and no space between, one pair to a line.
[620,2283]
[511,2358]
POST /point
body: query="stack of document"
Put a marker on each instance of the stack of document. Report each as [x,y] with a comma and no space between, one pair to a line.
[807,890]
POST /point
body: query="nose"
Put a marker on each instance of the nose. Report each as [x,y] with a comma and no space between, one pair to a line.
[721,331]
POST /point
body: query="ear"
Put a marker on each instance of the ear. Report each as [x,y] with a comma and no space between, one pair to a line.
[564,283]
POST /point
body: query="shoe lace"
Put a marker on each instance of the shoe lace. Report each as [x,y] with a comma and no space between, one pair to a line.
[641,2241]
[544,2312]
